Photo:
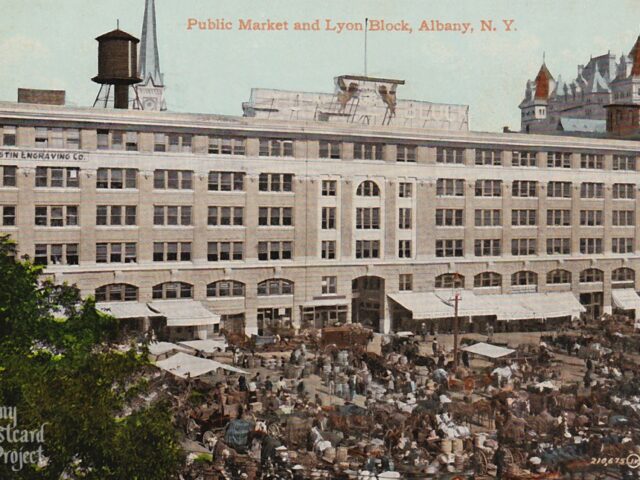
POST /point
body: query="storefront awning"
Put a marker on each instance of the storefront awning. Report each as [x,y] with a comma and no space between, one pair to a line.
[523,306]
[123,310]
[626,298]
[184,313]
[160,348]
[326,302]
[488,350]
[210,345]
[184,365]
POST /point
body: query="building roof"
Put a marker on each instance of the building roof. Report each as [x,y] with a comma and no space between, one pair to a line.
[543,83]
[117,34]
[184,365]
[567,124]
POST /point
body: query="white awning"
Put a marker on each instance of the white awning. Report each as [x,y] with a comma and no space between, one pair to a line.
[126,309]
[325,302]
[184,313]
[208,346]
[160,348]
[183,365]
[488,350]
[625,298]
[517,306]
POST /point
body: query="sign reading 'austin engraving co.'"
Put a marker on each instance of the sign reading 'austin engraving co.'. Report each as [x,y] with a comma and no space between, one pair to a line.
[40,155]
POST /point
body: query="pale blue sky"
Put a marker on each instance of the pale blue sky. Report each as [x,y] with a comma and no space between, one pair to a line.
[50,44]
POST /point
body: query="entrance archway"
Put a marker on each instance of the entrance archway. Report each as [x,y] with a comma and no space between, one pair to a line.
[368,301]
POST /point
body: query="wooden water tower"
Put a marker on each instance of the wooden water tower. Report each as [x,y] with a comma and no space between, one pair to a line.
[117,67]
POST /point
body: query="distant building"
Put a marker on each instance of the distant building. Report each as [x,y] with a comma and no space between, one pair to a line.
[151,90]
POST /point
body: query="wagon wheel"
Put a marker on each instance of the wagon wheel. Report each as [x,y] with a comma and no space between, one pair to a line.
[508,457]
[481,461]
[274,430]
[520,457]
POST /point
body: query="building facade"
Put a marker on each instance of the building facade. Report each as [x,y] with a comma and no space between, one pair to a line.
[272,223]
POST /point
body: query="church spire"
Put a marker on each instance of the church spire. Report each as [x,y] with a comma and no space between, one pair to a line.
[149,58]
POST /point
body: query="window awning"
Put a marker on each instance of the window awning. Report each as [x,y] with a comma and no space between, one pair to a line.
[625,298]
[523,306]
[123,310]
[183,365]
[184,313]
[488,350]
[210,345]
[326,302]
[160,348]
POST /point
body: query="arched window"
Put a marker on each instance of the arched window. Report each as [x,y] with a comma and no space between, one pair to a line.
[591,275]
[487,279]
[623,275]
[169,290]
[524,277]
[558,276]
[368,189]
[275,286]
[450,280]
[117,292]
[225,288]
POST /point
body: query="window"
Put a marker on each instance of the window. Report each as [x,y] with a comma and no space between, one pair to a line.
[624,190]
[405,282]
[275,287]
[404,249]
[558,160]
[275,216]
[487,279]
[624,162]
[449,248]
[57,177]
[591,275]
[56,216]
[559,218]
[172,142]
[522,218]
[171,290]
[524,188]
[559,276]
[368,218]
[225,216]
[226,288]
[226,181]
[623,275]
[56,254]
[591,161]
[524,159]
[276,147]
[172,251]
[116,253]
[488,218]
[524,277]
[623,218]
[173,179]
[487,247]
[275,251]
[449,280]
[405,190]
[367,151]
[558,246]
[488,157]
[328,249]
[329,149]
[113,215]
[368,189]
[225,251]
[275,182]
[404,218]
[117,140]
[590,245]
[449,155]
[591,218]
[117,292]
[329,285]
[8,175]
[523,246]
[328,218]
[8,135]
[227,146]
[367,249]
[450,187]
[406,153]
[449,217]
[8,215]
[329,188]
[488,188]
[559,189]
[622,245]
[591,190]
[42,137]
[117,178]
